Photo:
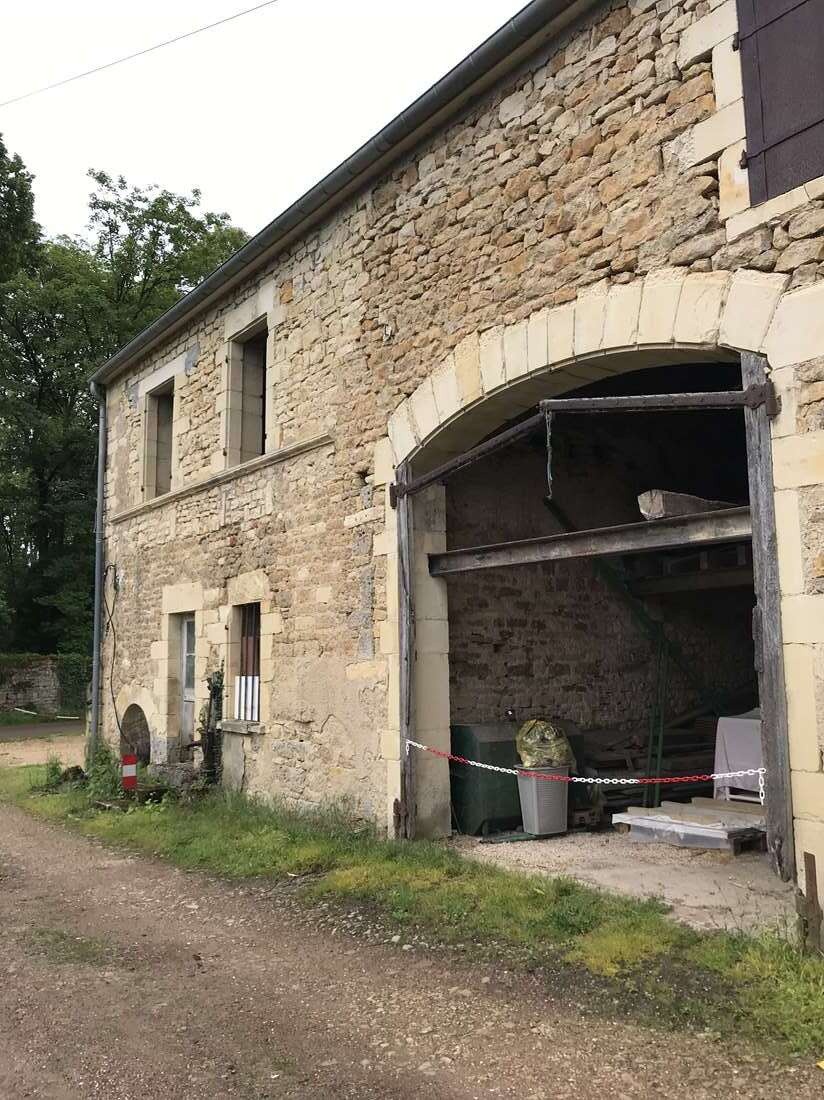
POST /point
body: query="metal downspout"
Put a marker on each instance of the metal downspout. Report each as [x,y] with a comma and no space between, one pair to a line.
[99,392]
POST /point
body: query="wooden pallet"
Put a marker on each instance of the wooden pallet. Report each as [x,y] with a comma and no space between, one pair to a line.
[698,824]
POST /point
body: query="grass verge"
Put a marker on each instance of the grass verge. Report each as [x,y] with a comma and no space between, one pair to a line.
[15,718]
[621,949]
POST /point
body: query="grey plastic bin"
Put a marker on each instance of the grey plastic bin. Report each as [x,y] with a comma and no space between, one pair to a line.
[544,802]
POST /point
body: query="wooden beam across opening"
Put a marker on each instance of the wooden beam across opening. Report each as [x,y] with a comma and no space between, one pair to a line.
[702,580]
[754,397]
[706,529]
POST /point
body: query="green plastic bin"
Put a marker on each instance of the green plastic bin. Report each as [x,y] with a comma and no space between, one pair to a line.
[485,802]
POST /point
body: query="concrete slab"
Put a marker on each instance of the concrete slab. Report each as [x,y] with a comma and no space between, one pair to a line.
[707,890]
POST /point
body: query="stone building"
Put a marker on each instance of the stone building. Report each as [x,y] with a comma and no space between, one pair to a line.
[588,204]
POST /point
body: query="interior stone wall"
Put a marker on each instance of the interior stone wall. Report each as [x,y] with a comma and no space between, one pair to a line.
[554,639]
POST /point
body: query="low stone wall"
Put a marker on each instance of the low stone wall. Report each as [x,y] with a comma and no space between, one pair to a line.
[30,682]
[47,684]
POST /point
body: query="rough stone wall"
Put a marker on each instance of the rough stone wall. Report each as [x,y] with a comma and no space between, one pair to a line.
[572,172]
[272,521]
[31,683]
[554,639]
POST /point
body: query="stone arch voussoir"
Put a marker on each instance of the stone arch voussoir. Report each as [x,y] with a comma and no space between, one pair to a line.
[669,309]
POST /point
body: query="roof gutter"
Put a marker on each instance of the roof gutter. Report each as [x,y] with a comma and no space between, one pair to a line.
[502,52]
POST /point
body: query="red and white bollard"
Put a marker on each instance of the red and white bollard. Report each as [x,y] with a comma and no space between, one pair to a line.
[129,771]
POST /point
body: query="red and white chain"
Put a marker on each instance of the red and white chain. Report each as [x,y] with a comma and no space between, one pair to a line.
[628,781]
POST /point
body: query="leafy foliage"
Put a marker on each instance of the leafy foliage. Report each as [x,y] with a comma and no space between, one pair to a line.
[74,672]
[19,232]
[104,772]
[54,770]
[66,305]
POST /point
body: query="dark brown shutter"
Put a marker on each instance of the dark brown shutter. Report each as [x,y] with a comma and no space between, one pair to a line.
[782,59]
[250,639]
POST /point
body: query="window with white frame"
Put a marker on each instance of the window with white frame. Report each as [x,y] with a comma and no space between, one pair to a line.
[247,680]
[246,398]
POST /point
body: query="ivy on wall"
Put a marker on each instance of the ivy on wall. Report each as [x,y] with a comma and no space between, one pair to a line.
[74,671]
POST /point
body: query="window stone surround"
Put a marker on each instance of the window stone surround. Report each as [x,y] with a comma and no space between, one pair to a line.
[723,134]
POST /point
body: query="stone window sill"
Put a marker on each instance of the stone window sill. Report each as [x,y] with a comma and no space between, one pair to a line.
[245,729]
[252,466]
[752,217]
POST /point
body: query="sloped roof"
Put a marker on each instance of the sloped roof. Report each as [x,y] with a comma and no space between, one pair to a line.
[508,47]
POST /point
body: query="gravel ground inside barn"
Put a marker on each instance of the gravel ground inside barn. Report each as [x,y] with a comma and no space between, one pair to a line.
[123,977]
[705,889]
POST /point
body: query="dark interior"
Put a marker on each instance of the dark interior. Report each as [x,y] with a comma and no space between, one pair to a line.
[572,640]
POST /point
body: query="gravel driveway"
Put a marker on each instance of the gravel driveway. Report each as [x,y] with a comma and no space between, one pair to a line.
[125,978]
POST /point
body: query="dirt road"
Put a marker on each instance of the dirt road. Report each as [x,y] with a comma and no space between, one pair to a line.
[125,978]
[35,743]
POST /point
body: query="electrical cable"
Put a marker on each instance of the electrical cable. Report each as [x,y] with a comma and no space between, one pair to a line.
[138,53]
[110,624]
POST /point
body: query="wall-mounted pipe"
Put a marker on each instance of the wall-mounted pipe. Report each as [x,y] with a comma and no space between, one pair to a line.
[99,392]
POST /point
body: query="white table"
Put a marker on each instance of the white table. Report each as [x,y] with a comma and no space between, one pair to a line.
[738,748]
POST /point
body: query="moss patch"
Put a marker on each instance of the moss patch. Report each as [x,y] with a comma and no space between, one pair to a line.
[61,948]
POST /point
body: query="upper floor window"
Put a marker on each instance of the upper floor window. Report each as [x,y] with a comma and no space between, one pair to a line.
[157,475]
[782,61]
[246,404]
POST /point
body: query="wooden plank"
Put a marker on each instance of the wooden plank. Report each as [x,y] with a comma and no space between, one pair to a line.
[767,628]
[655,826]
[655,402]
[687,811]
[742,808]
[810,909]
[661,503]
[730,525]
[705,580]
[405,810]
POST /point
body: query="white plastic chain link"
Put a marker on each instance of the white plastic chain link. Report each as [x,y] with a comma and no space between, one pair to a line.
[595,780]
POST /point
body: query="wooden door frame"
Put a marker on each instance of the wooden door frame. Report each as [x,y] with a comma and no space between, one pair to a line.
[405,808]
[767,631]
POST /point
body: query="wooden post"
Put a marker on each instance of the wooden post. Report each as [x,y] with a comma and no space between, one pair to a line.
[405,810]
[808,906]
[769,655]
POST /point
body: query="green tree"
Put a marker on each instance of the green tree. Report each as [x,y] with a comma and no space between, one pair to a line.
[75,306]
[19,232]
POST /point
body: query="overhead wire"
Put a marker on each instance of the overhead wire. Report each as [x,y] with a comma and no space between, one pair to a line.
[137,53]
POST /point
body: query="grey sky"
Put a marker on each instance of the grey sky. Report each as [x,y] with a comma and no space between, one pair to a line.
[253,112]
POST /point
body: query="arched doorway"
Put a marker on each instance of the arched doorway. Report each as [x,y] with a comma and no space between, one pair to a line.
[134,734]
[471,646]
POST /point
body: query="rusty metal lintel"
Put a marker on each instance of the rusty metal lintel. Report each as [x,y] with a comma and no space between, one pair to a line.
[751,398]
[503,439]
